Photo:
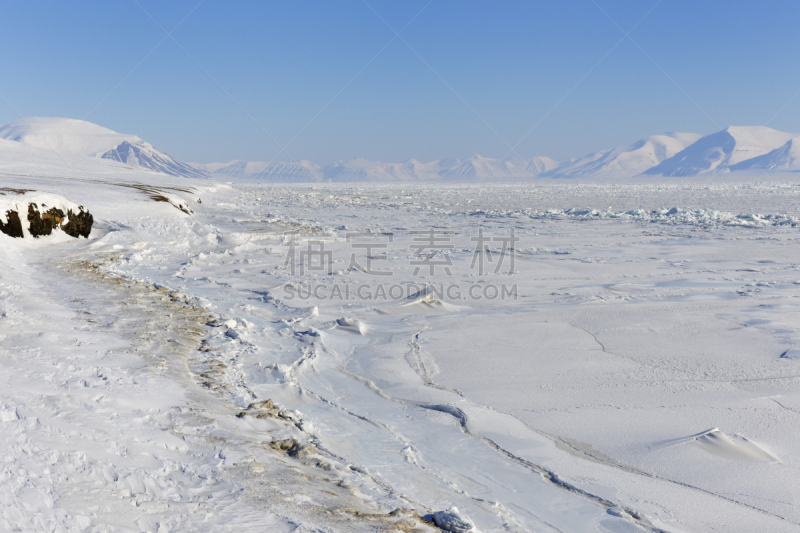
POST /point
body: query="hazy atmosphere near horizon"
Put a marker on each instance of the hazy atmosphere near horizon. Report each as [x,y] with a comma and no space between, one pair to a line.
[406,266]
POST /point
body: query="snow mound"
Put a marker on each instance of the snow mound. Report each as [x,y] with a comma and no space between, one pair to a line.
[452,520]
[423,305]
[720,151]
[353,325]
[64,135]
[734,447]
[791,354]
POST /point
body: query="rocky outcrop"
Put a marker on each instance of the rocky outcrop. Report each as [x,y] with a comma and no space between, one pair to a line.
[22,218]
[79,224]
[12,227]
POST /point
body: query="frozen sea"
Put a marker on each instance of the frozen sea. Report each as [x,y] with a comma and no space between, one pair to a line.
[540,356]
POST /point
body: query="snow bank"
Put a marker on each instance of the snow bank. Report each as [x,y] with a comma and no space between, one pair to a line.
[32,214]
[734,447]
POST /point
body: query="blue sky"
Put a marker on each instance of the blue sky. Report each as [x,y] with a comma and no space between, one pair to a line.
[331,79]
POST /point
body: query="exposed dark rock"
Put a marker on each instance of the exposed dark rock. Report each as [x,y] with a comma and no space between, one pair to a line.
[43,223]
[14,227]
[4,190]
[79,225]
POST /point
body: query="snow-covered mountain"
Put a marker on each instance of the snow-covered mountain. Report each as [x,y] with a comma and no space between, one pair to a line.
[64,135]
[722,151]
[484,168]
[77,137]
[785,158]
[628,160]
[303,171]
[144,155]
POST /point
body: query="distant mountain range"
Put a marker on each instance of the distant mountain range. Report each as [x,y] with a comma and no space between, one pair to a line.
[476,167]
[745,148]
[752,148]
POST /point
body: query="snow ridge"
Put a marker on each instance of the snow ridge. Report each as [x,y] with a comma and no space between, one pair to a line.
[722,151]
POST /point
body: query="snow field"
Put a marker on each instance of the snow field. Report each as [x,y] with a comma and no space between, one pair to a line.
[137,362]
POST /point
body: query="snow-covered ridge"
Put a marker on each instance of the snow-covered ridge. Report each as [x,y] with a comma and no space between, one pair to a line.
[785,158]
[145,156]
[628,160]
[724,151]
[77,137]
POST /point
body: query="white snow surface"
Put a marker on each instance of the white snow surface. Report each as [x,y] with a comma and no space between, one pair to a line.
[137,363]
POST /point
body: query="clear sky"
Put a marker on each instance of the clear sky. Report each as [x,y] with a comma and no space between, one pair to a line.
[333,81]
